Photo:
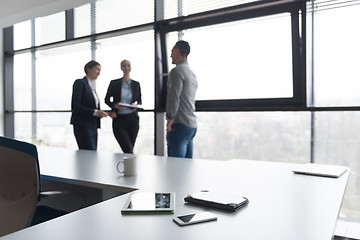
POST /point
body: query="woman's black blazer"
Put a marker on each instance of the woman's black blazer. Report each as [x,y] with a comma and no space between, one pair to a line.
[113,94]
[83,105]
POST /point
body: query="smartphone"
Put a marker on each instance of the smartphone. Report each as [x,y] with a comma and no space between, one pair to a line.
[194,218]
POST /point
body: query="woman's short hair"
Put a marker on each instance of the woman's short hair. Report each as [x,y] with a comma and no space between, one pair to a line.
[90,65]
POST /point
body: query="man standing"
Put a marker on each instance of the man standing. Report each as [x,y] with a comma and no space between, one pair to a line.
[180,104]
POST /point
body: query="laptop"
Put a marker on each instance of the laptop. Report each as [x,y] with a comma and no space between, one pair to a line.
[322,170]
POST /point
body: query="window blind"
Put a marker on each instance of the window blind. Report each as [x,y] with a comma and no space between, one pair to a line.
[82,20]
[117,14]
[50,28]
[320,5]
[188,7]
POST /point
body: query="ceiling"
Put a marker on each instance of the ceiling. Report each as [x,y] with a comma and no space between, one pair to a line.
[14,11]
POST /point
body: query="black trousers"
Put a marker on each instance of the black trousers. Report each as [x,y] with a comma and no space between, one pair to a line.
[86,137]
[125,129]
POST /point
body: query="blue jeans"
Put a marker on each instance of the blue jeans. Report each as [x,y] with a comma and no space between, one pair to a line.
[180,141]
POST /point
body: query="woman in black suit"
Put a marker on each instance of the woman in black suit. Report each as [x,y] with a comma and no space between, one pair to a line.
[125,120]
[85,108]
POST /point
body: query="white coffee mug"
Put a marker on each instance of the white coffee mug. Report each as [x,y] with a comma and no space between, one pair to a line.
[127,166]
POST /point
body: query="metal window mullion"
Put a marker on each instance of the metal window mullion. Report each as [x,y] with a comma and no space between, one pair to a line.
[159,116]
[69,24]
[93,30]
[33,83]
[9,124]
[180,14]
[312,120]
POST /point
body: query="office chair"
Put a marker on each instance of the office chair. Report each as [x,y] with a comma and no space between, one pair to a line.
[20,187]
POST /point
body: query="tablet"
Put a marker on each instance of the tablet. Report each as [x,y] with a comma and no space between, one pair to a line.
[149,203]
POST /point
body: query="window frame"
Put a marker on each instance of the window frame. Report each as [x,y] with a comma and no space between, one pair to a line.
[231,14]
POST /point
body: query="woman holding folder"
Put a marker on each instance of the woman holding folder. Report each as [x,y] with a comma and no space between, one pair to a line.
[124,91]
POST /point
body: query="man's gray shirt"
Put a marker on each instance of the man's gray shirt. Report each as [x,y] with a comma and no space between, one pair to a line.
[181,90]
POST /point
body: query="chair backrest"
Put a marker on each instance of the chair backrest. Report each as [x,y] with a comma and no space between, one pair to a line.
[19,184]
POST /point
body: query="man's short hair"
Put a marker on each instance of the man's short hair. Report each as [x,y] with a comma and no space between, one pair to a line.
[90,65]
[183,47]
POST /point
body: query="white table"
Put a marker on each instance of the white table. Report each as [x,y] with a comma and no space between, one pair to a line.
[282,205]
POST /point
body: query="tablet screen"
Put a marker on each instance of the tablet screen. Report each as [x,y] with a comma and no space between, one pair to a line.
[149,202]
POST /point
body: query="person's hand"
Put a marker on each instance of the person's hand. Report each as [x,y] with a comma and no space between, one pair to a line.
[134,104]
[168,125]
[101,114]
[116,106]
[113,114]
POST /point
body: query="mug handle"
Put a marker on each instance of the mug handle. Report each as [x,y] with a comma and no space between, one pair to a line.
[123,168]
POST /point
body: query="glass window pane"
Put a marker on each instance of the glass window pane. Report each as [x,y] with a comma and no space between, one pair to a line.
[22,82]
[116,14]
[50,28]
[171,9]
[145,140]
[56,71]
[82,21]
[266,136]
[22,35]
[337,140]
[191,6]
[241,61]
[54,129]
[23,126]
[336,57]
[138,48]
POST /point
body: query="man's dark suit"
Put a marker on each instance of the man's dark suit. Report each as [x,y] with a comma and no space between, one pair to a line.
[125,126]
[85,123]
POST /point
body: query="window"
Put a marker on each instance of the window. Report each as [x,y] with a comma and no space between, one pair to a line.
[23,126]
[55,75]
[50,28]
[337,139]
[336,56]
[191,7]
[107,142]
[82,21]
[138,49]
[266,136]
[116,14]
[22,35]
[145,140]
[54,129]
[242,60]
[22,82]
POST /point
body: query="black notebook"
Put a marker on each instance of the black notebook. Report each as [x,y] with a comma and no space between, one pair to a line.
[222,201]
